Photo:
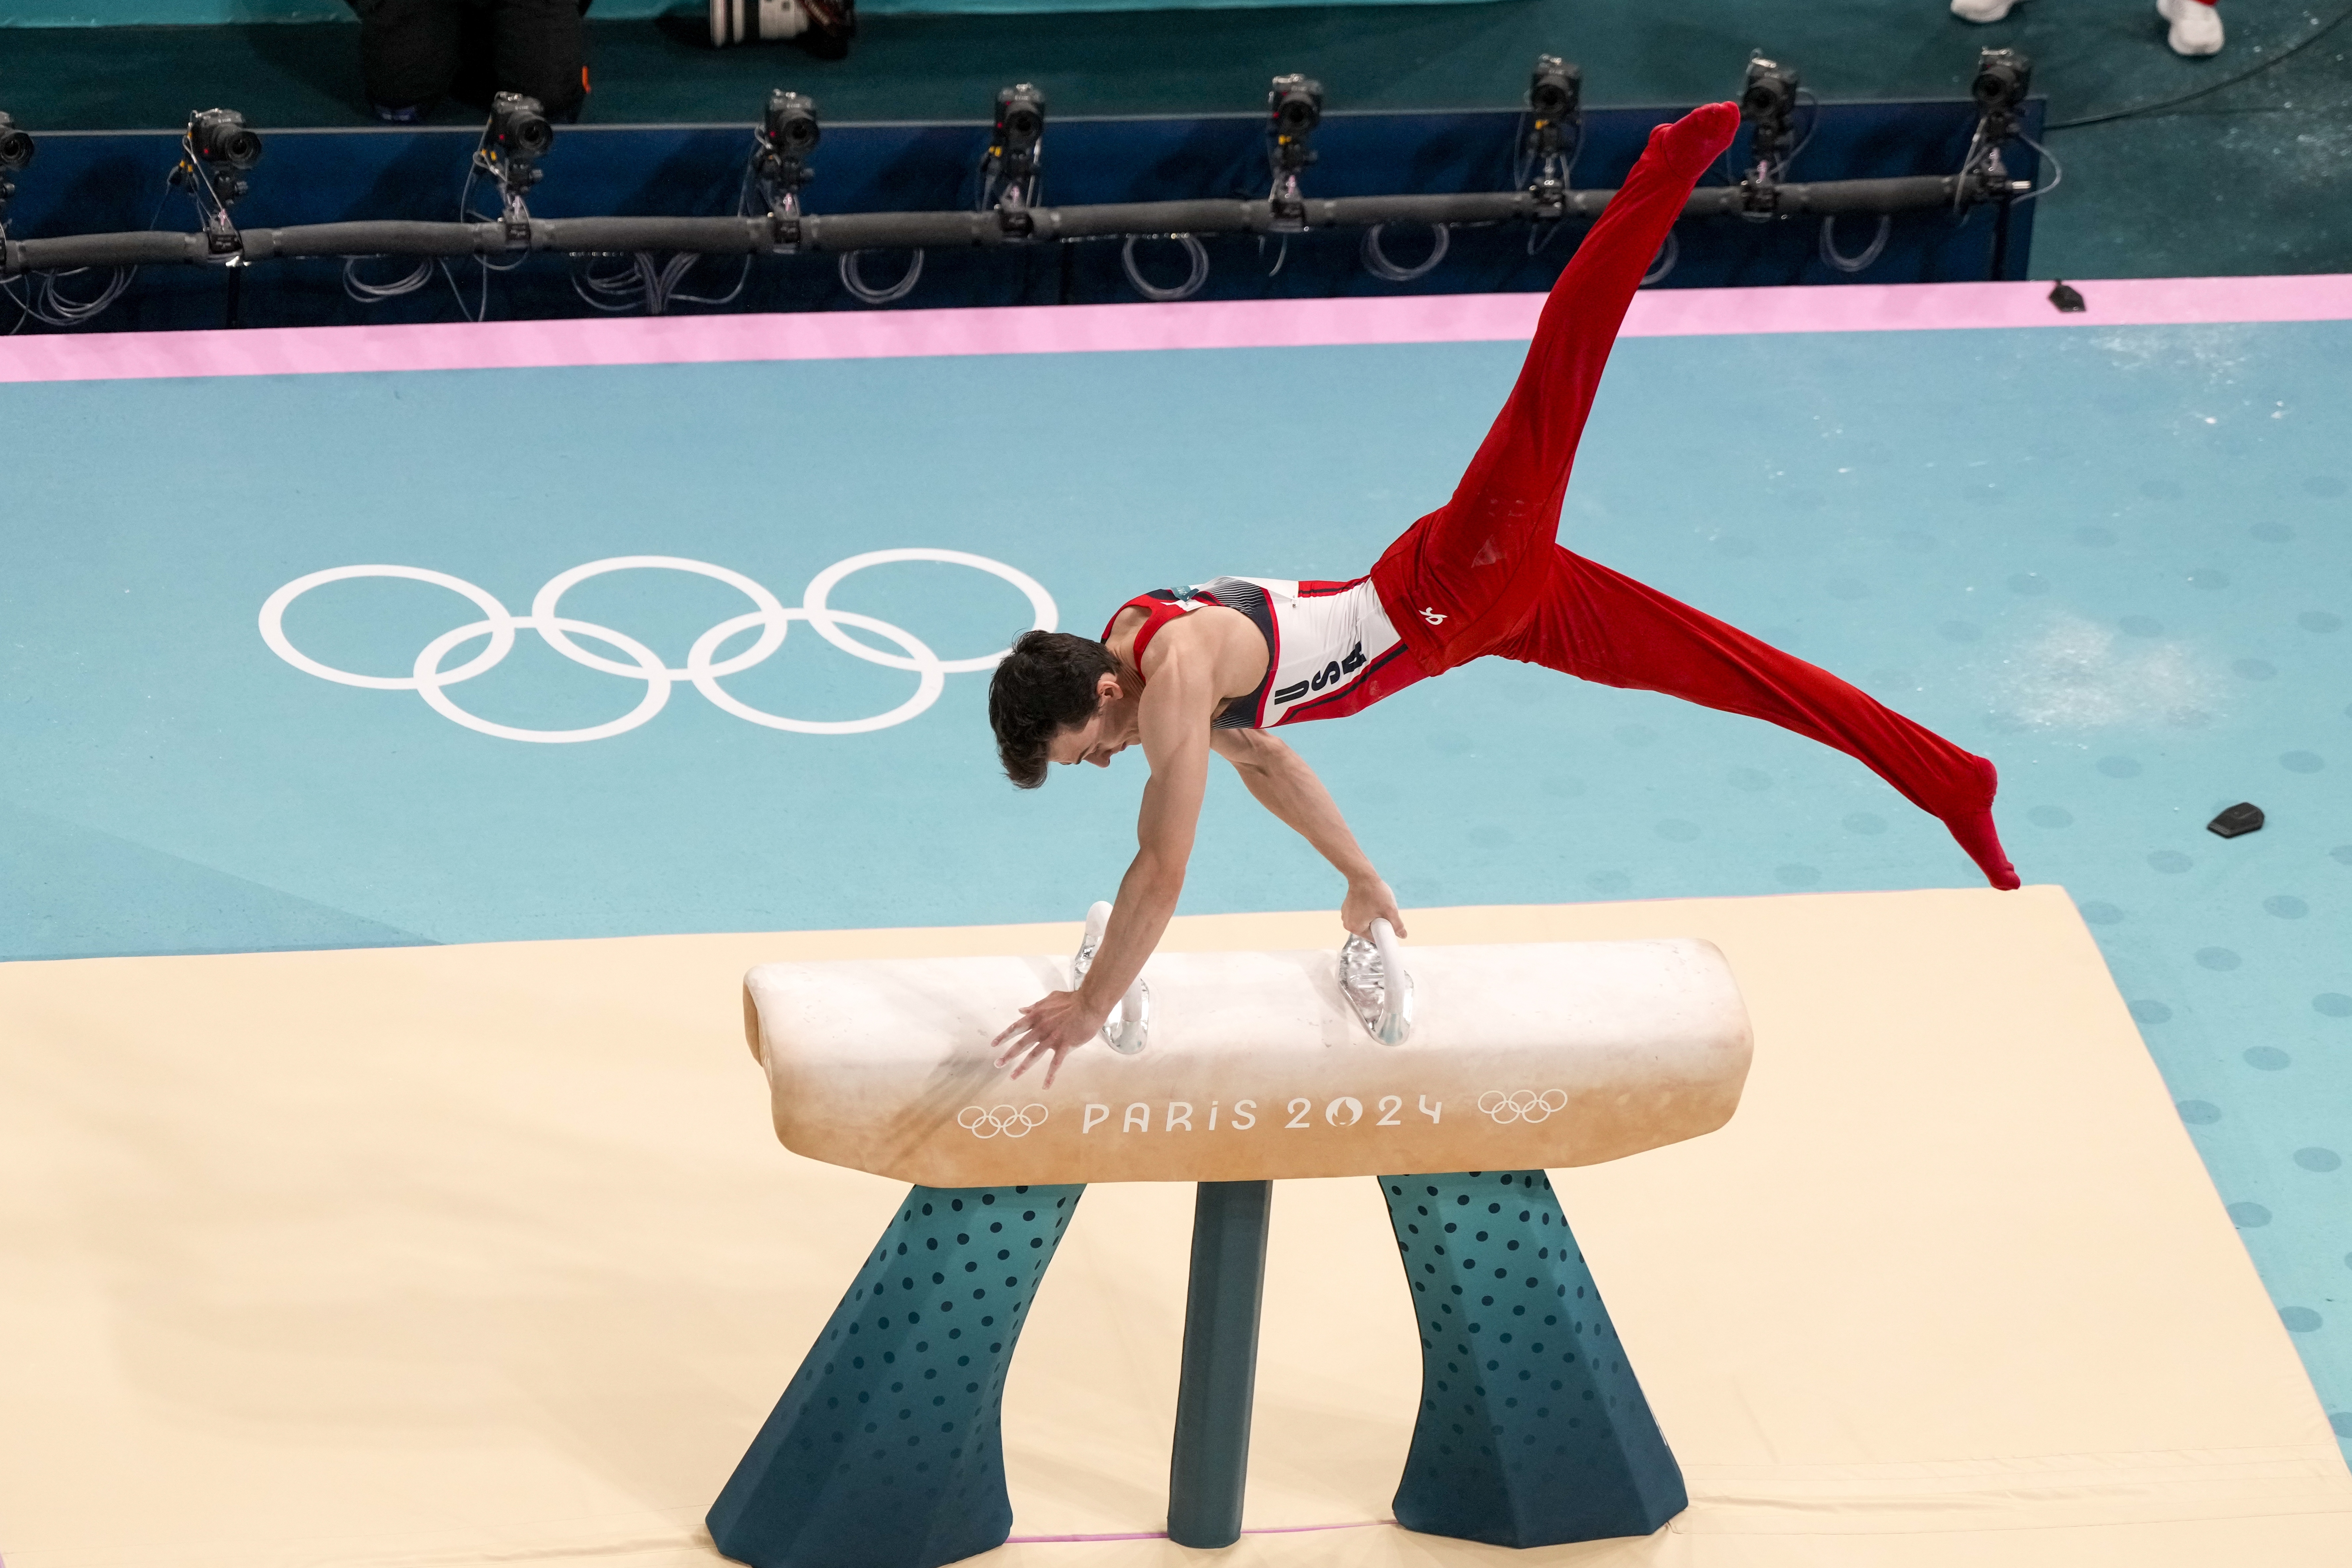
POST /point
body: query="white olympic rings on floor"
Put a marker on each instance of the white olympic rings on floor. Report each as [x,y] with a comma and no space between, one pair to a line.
[1521,1104]
[989,1121]
[498,626]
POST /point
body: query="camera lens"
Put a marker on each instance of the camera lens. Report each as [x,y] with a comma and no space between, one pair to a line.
[791,128]
[1020,118]
[2003,79]
[220,136]
[531,135]
[520,127]
[1297,104]
[16,146]
[1553,91]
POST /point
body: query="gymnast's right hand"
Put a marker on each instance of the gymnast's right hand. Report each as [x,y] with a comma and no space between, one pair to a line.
[1051,1027]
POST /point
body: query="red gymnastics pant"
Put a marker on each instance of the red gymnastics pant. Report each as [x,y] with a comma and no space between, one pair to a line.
[1484,574]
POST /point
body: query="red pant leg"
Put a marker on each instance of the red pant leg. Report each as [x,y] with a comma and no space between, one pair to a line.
[1601,626]
[1463,577]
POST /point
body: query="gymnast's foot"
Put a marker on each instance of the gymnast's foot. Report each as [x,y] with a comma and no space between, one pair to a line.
[1699,138]
[1972,826]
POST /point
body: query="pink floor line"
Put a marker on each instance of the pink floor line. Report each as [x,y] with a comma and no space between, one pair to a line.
[1094,328]
[1162,1535]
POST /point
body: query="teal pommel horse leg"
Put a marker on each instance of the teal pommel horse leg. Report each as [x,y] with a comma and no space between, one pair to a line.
[1215,1391]
[886,1450]
[1533,1430]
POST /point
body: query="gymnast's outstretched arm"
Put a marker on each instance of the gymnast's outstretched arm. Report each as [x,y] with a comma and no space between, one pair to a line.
[1282,783]
[1173,715]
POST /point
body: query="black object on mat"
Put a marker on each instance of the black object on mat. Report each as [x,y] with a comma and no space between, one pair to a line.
[2245,816]
[2067,297]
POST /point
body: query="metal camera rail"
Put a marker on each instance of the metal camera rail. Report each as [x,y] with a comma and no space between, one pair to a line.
[774,235]
[219,153]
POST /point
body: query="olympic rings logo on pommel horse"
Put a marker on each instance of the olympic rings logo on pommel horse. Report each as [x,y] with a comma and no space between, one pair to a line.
[988,1121]
[1522,1104]
[703,667]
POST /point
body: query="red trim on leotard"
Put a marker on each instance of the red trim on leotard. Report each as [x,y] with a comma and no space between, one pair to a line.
[1159,607]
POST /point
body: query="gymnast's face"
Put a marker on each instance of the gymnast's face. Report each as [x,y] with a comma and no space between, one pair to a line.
[1117,725]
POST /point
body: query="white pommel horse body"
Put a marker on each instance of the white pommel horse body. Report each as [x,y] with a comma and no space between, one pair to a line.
[1486,1064]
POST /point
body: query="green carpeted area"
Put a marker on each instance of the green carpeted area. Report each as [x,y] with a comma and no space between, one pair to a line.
[2251,179]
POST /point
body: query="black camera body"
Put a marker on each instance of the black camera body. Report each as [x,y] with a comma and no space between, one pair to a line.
[1767,102]
[1294,107]
[1020,121]
[1555,90]
[518,136]
[1019,132]
[2004,77]
[221,150]
[787,133]
[16,151]
[790,129]
[1555,105]
[221,138]
[15,144]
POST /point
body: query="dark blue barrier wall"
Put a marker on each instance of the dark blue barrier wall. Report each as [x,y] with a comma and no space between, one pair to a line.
[97,181]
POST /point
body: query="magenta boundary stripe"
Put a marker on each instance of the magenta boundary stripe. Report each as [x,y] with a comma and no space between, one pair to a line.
[1162,1535]
[1099,329]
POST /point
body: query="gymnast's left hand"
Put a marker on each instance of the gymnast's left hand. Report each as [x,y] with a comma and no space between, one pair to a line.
[1050,1028]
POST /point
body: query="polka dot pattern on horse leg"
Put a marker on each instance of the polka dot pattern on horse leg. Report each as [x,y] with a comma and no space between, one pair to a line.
[1531,1417]
[886,1441]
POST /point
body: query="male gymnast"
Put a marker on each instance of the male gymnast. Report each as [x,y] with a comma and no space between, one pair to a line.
[1216,666]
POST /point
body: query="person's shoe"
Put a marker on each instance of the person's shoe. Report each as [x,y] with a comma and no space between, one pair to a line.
[2196,27]
[1982,10]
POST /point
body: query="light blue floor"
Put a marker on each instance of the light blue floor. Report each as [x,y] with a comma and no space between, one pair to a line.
[2118,561]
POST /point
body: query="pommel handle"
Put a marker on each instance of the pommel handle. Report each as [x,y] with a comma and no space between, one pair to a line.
[1129,1024]
[1376,985]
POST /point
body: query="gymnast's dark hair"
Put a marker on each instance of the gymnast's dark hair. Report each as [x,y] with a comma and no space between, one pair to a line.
[1046,684]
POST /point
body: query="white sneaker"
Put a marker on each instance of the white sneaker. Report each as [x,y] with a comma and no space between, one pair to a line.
[1982,10]
[2196,27]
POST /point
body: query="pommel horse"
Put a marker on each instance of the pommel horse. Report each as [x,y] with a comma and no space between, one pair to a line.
[1489,1062]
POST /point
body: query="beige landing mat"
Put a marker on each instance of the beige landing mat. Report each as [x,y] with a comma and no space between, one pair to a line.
[484,1255]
